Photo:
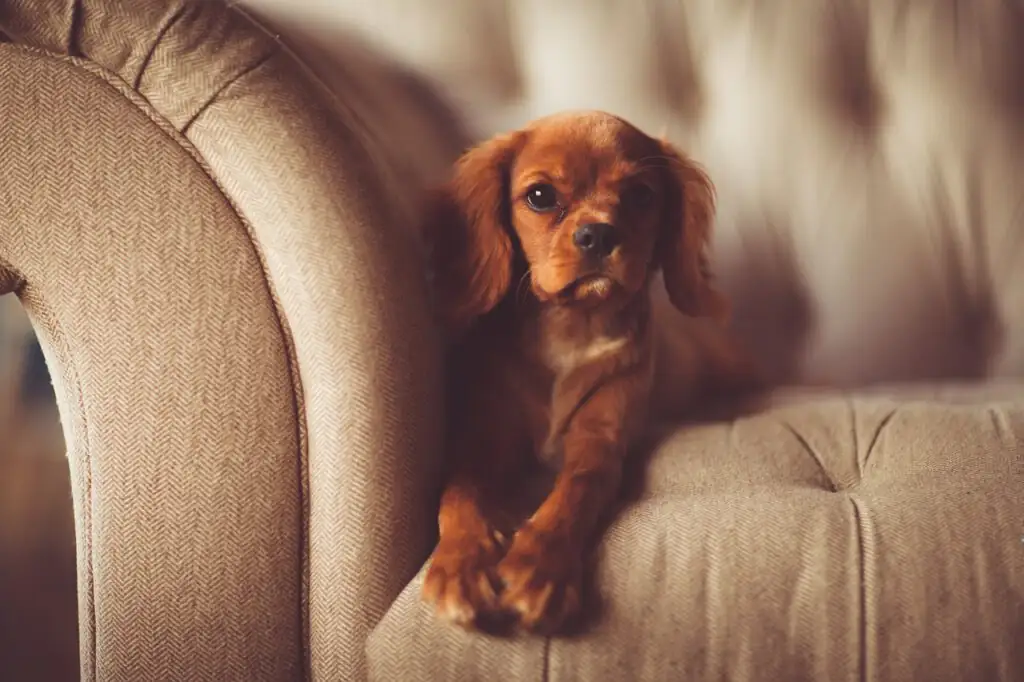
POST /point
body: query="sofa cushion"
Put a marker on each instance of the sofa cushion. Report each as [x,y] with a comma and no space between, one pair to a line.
[829,537]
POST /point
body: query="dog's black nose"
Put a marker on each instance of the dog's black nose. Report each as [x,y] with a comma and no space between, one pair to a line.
[595,239]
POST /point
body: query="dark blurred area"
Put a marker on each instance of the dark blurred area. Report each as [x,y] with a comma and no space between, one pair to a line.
[38,607]
[35,388]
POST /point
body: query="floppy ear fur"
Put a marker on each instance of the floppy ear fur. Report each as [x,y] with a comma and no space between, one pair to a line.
[467,230]
[684,239]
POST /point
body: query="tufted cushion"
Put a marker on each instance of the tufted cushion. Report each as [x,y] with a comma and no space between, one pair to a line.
[867,155]
[876,537]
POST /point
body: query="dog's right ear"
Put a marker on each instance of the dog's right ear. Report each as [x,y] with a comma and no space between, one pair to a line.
[466,229]
[684,239]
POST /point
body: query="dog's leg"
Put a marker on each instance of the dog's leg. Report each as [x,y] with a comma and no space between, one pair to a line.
[542,572]
[487,456]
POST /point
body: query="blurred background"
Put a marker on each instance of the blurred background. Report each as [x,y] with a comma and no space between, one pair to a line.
[867,158]
[38,626]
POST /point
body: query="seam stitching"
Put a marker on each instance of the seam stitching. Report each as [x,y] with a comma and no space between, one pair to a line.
[862,621]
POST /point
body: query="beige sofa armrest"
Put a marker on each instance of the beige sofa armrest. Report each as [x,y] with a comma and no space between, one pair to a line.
[352,285]
[238,333]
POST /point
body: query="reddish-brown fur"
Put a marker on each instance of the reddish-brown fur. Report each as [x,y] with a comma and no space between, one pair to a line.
[556,358]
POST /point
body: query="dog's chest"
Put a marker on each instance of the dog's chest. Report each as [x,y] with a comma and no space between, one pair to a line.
[563,357]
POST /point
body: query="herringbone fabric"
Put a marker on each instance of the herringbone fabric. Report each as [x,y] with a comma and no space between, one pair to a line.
[173,381]
[830,537]
[178,54]
[238,329]
[353,289]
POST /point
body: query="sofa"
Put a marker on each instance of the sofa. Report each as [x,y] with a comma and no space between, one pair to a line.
[206,215]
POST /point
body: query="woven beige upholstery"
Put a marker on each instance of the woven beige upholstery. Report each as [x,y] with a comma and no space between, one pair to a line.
[238,335]
[212,242]
[173,381]
[826,538]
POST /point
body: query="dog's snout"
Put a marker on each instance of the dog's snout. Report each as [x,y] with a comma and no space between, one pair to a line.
[595,239]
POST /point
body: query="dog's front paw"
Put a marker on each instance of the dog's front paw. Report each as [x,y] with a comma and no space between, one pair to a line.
[542,576]
[461,582]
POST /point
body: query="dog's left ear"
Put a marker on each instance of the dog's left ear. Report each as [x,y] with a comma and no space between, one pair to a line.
[683,240]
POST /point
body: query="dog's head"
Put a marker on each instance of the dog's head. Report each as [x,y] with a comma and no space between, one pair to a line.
[592,204]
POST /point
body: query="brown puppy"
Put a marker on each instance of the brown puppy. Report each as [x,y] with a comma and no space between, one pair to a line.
[545,244]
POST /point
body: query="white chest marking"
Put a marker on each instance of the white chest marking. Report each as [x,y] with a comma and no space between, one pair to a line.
[564,356]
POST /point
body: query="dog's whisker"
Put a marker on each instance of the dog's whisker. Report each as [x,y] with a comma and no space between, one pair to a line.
[522,281]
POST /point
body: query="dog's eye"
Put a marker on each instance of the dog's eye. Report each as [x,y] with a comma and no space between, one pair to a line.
[638,195]
[542,197]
